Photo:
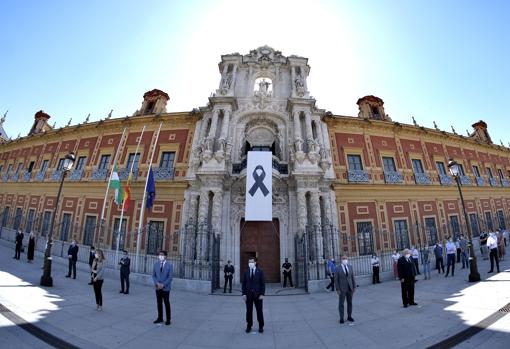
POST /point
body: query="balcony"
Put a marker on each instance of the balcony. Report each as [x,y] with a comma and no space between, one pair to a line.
[27,176]
[76,175]
[56,175]
[99,174]
[504,182]
[464,180]
[493,182]
[480,182]
[357,176]
[5,177]
[39,177]
[282,168]
[124,173]
[163,174]
[422,178]
[15,177]
[392,177]
[444,179]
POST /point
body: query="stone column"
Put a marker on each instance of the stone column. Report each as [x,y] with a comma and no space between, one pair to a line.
[224,126]
[301,212]
[216,212]
[202,226]
[317,226]
[190,243]
[214,124]
[297,132]
[308,129]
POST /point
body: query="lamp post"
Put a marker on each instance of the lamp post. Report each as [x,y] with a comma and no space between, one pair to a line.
[46,279]
[474,275]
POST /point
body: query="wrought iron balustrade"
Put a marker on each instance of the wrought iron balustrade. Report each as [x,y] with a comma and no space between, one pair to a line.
[357,176]
[444,179]
[282,168]
[465,180]
[76,175]
[422,178]
[163,173]
[479,181]
[393,177]
[40,176]
[27,176]
[504,182]
[493,182]
[15,177]
[99,174]
[56,175]
[124,174]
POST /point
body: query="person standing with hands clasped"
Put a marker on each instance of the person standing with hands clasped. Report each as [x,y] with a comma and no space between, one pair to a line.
[451,249]
[228,271]
[19,244]
[72,255]
[407,274]
[31,247]
[97,278]
[287,273]
[125,264]
[492,244]
[345,285]
[375,269]
[162,275]
[254,289]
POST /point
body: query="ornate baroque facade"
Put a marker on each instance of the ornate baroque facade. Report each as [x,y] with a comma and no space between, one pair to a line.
[353,184]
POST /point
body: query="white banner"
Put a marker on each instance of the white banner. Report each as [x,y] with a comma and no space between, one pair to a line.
[259,186]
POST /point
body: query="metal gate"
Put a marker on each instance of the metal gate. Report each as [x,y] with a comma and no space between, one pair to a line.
[215,262]
[301,261]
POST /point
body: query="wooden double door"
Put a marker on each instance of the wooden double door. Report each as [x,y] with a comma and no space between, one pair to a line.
[261,240]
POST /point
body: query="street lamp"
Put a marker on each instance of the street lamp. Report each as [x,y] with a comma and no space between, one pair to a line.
[474,275]
[46,279]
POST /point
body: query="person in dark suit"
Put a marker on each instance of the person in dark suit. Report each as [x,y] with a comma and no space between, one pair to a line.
[228,272]
[31,247]
[125,264]
[345,285]
[287,273]
[19,244]
[407,274]
[254,289]
[92,256]
[72,255]
[162,275]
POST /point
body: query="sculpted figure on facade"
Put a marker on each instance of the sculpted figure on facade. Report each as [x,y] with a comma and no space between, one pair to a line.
[300,85]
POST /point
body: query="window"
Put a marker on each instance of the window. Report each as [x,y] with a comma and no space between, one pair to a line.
[44,166]
[488,221]
[489,172]
[17,218]
[461,170]
[60,165]
[88,234]
[150,107]
[155,239]
[475,227]
[65,227]
[389,164]
[500,173]
[509,174]
[132,158]
[30,221]
[1,168]
[18,170]
[5,216]
[454,223]
[122,236]
[401,234]
[103,163]
[476,171]
[375,113]
[354,162]
[46,223]
[365,238]
[417,166]
[501,220]
[80,164]
[9,169]
[431,230]
[31,166]
[440,168]
[167,160]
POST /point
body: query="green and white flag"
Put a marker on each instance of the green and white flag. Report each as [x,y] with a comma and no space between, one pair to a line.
[115,183]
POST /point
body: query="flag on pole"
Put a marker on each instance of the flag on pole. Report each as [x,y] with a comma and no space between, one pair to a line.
[127,193]
[115,183]
[151,190]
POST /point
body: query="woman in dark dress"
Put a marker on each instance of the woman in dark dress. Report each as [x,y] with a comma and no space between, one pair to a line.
[31,247]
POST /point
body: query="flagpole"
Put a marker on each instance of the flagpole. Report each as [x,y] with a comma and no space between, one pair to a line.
[108,185]
[142,208]
[119,232]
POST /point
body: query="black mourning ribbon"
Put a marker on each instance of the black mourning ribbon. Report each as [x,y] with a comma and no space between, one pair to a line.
[259,182]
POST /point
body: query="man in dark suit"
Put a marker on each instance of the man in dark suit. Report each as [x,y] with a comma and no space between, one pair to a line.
[72,255]
[125,264]
[345,285]
[19,244]
[406,274]
[162,275]
[254,289]
[228,271]
[287,273]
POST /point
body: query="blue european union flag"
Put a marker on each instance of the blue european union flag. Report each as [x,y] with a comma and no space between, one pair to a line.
[151,190]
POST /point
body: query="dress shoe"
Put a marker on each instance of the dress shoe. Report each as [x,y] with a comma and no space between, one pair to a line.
[127,292]
[490,271]
[248,329]
[90,283]
[413,303]
[167,322]
[341,321]
[261,330]
[121,291]
[350,319]
[405,305]
[157,321]
[74,277]
[68,276]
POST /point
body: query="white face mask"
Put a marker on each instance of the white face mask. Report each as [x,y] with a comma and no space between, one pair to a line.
[97,255]
[408,255]
[345,261]
[161,258]
[251,265]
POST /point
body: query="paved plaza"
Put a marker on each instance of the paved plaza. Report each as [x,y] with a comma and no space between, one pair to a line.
[67,311]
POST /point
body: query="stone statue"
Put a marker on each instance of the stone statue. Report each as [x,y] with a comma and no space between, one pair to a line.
[69,122]
[263,86]
[109,115]
[300,85]
[87,119]
[226,81]
[453,130]
[435,126]
[414,121]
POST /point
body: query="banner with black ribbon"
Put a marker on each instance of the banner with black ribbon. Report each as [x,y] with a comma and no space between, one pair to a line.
[259,186]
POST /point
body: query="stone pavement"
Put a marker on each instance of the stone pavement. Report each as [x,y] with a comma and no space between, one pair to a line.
[446,307]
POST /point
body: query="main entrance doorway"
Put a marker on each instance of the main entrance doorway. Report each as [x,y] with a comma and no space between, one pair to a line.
[261,240]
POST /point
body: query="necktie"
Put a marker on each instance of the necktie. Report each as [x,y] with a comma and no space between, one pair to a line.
[161,267]
[251,276]
[346,270]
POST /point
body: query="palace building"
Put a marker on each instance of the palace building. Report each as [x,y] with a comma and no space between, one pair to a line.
[341,184]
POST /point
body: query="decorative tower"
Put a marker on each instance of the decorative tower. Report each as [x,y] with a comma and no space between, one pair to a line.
[40,123]
[154,102]
[372,107]
[3,134]
[481,134]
